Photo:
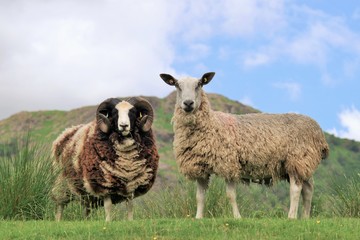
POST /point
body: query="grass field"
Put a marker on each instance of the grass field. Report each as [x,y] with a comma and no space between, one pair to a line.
[334,228]
[27,211]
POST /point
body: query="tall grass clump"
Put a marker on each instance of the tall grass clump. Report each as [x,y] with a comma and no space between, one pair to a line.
[25,180]
[346,197]
[179,201]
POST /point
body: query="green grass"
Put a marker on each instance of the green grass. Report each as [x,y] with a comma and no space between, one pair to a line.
[25,181]
[167,212]
[346,197]
[336,228]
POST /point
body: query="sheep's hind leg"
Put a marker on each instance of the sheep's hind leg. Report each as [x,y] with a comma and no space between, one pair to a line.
[307,193]
[62,196]
[295,190]
[231,194]
[108,207]
[202,186]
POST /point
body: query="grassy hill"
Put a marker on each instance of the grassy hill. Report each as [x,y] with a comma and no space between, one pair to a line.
[45,126]
[343,162]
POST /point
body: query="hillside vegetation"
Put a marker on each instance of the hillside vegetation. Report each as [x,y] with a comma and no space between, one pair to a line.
[337,191]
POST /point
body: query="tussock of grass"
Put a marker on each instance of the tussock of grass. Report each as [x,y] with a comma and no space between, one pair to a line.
[346,197]
[25,181]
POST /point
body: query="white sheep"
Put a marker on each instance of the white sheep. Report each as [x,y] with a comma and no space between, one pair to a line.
[109,160]
[259,147]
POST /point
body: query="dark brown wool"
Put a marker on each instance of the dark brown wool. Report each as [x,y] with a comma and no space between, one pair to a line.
[82,152]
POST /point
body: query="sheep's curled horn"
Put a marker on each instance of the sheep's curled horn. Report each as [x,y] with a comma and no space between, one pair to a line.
[146,110]
[102,114]
[143,106]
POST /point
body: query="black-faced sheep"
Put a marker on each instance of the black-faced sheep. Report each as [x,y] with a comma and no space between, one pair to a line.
[259,147]
[109,160]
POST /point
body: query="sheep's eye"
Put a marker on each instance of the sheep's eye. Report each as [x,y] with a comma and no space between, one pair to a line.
[105,113]
[197,86]
[132,113]
[178,86]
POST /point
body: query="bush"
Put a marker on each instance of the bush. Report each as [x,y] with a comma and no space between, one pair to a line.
[25,181]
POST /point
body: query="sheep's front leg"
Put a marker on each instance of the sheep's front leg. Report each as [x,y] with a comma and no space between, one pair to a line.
[108,207]
[231,194]
[295,190]
[307,193]
[59,212]
[130,211]
[202,186]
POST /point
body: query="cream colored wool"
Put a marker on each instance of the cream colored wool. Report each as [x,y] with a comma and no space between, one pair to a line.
[252,146]
[128,167]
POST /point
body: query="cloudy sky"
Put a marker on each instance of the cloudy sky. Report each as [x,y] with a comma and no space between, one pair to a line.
[277,56]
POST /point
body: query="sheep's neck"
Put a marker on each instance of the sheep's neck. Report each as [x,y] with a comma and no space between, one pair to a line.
[129,167]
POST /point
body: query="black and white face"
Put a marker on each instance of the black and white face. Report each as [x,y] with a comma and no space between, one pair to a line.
[115,115]
[188,90]
[126,117]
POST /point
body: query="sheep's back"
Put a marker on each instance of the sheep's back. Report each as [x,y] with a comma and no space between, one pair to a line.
[275,145]
[257,146]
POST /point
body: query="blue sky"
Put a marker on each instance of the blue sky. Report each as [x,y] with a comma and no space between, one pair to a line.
[277,56]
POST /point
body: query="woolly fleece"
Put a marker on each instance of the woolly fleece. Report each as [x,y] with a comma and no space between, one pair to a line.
[251,146]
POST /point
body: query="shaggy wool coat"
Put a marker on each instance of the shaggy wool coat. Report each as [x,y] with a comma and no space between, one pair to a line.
[250,146]
[96,164]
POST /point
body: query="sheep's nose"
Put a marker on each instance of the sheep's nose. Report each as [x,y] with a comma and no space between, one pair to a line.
[124,126]
[188,103]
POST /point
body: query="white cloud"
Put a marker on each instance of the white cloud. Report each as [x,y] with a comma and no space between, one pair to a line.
[244,17]
[256,60]
[350,122]
[65,54]
[293,89]
[317,41]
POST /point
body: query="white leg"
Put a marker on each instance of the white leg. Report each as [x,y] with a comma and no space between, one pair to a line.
[202,186]
[59,211]
[107,206]
[231,194]
[307,193]
[130,212]
[295,190]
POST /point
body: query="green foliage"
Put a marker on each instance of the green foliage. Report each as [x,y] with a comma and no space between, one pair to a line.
[346,197]
[25,181]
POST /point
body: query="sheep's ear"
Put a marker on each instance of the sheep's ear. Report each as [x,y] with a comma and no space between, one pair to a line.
[206,78]
[168,79]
